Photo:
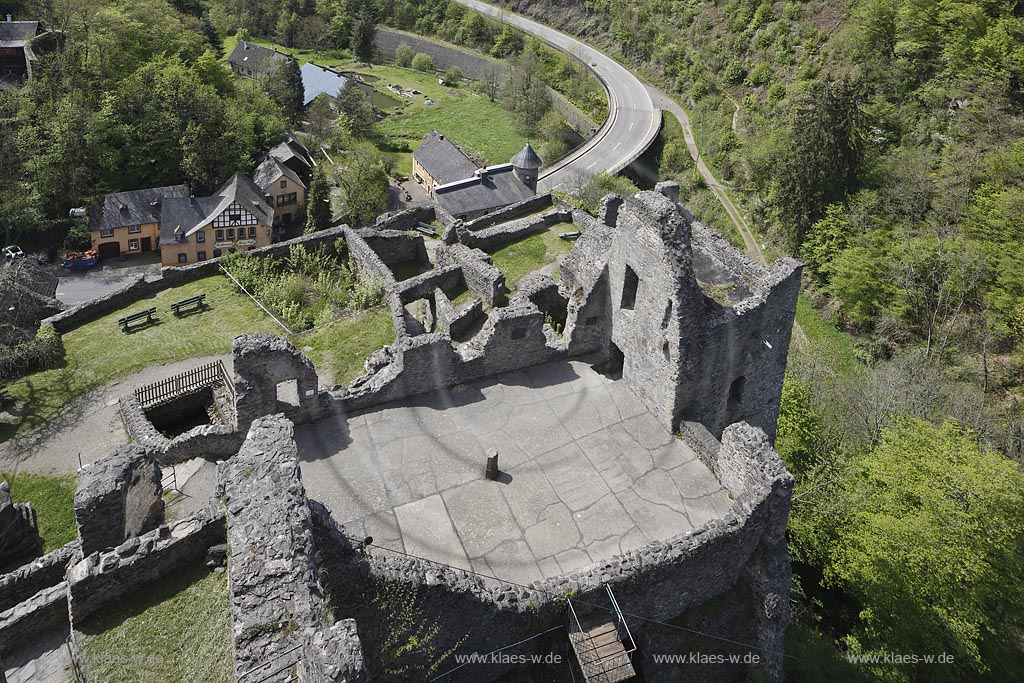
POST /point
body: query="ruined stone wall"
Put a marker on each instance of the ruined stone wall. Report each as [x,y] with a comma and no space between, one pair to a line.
[26,581]
[511,212]
[739,360]
[490,238]
[478,270]
[277,602]
[395,247]
[655,300]
[118,497]
[261,362]
[213,442]
[102,578]
[34,617]
[447,278]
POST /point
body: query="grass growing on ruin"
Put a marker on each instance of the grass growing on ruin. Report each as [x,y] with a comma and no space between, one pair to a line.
[339,350]
[98,352]
[175,629]
[528,255]
[53,499]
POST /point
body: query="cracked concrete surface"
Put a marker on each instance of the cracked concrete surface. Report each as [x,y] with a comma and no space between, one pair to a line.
[587,474]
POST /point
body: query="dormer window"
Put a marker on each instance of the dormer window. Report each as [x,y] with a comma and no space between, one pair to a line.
[179,235]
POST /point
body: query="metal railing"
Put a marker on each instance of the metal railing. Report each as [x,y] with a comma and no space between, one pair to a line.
[593,664]
[172,387]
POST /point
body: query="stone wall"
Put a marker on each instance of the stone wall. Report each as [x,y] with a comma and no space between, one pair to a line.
[277,603]
[213,442]
[118,497]
[703,332]
[34,617]
[261,362]
[395,247]
[478,270]
[44,572]
[101,578]
[511,212]
[488,239]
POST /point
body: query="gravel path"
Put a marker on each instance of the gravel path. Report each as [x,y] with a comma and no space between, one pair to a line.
[89,426]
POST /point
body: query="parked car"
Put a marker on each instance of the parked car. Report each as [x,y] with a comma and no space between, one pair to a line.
[13,253]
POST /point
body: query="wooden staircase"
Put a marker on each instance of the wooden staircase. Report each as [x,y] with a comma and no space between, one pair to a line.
[602,643]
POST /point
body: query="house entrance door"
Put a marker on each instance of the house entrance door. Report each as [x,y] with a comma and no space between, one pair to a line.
[147,244]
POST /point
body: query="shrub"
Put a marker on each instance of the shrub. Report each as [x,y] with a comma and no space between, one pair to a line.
[404,55]
[453,76]
[365,294]
[422,62]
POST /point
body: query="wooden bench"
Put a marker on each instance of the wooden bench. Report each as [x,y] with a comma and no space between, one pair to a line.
[197,303]
[144,317]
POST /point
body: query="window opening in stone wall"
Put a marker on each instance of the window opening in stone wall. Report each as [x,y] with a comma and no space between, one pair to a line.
[736,393]
[629,289]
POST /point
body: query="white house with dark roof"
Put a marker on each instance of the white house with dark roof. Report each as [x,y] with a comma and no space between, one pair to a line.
[463,189]
[237,218]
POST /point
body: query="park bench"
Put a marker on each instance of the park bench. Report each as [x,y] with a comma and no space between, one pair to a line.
[144,317]
[197,303]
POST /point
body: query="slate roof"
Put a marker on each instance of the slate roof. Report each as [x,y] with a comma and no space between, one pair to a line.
[268,172]
[292,152]
[17,33]
[255,56]
[132,208]
[194,214]
[443,159]
[526,158]
[319,80]
[492,188]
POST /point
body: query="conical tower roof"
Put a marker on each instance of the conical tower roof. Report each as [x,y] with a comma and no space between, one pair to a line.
[526,158]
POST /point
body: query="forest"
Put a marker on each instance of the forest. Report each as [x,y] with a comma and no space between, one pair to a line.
[880,143]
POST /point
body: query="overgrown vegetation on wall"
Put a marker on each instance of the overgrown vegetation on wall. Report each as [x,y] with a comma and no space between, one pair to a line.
[305,288]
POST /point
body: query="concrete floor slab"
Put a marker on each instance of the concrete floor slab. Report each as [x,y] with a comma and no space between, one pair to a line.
[587,474]
[427,532]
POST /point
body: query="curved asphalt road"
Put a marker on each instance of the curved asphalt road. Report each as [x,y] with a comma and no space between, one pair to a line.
[633,120]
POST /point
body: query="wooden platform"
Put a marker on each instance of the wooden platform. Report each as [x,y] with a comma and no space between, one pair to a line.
[601,655]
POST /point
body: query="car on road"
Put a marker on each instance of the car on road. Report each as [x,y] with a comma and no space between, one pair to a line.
[13,253]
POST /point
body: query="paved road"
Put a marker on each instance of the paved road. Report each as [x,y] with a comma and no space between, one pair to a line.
[633,119]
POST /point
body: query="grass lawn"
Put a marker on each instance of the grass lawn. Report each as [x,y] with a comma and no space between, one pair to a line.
[175,629]
[832,345]
[533,253]
[53,499]
[484,129]
[98,352]
[341,348]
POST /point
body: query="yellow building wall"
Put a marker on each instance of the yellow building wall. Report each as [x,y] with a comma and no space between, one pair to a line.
[298,209]
[123,238]
[428,180]
[169,253]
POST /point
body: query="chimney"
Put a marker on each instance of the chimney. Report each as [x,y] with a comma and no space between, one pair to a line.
[9,19]
[154,208]
[191,198]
